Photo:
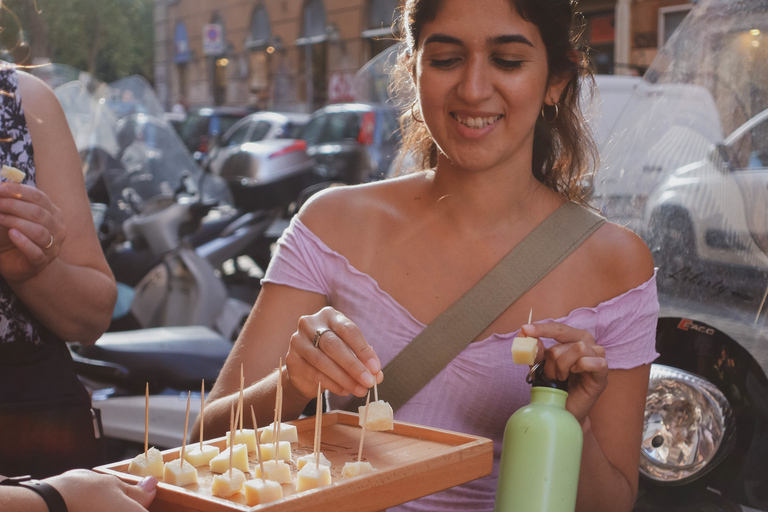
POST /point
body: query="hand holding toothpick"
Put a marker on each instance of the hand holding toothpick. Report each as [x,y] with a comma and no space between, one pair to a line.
[365,420]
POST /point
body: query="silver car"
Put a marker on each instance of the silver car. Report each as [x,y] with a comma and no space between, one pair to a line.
[257,127]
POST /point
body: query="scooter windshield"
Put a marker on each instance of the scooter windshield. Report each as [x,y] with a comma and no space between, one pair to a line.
[130,153]
[686,163]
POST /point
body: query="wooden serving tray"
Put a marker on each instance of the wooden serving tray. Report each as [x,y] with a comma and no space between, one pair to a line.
[411,461]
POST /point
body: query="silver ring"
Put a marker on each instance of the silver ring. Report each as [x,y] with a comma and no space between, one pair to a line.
[49,243]
[319,333]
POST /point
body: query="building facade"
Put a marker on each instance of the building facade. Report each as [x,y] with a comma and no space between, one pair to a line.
[298,55]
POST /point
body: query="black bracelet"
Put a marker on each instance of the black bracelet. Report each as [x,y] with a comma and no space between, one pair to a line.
[50,495]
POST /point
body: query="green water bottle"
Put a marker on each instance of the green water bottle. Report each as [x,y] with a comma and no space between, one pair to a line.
[541,452]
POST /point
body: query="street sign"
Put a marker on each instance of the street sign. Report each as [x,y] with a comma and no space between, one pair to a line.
[213,39]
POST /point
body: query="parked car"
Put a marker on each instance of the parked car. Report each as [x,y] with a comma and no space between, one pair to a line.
[257,127]
[352,142]
[204,125]
[716,210]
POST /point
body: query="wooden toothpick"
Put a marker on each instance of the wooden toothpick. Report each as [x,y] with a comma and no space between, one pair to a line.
[258,444]
[240,404]
[375,390]
[318,424]
[186,425]
[202,413]
[530,315]
[146,420]
[365,420]
[278,409]
[231,435]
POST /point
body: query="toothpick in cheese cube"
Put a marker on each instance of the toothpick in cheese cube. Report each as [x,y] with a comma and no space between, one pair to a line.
[380,416]
[178,472]
[225,485]
[287,433]
[284,451]
[198,457]
[260,491]
[12,174]
[353,469]
[524,350]
[149,464]
[275,470]
[312,476]
[220,463]
[246,436]
[310,458]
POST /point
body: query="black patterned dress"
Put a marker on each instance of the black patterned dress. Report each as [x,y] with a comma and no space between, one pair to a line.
[45,411]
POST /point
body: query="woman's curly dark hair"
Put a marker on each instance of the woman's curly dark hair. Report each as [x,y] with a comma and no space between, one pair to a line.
[564,152]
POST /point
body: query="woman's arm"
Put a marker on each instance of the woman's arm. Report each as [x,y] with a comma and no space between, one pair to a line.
[83,491]
[263,341]
[67,286]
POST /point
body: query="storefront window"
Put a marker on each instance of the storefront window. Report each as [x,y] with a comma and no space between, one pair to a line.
[600,37]
[381,15]
[258,44]
[314,55]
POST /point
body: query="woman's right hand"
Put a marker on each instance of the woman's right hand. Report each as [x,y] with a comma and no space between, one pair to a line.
[85,491]
[343,361]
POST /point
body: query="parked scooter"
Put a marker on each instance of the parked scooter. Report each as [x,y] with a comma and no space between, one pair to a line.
[705,437]
[167,228]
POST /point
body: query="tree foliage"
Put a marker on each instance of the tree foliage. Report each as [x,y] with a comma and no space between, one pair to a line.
[110,39]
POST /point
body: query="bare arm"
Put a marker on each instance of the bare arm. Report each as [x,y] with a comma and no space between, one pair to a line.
[262,342]
[83,491]
[67,285]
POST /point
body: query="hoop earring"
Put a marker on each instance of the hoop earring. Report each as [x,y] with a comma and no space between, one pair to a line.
[557,113]
[413,114]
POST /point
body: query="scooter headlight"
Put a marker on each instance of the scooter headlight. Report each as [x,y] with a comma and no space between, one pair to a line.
[687,420]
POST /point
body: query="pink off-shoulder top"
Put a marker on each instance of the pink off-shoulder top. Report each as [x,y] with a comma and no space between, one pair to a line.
[480,389]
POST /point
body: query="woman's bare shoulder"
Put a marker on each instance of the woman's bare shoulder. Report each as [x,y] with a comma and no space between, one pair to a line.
[358,210]
[620,257]
[37,97]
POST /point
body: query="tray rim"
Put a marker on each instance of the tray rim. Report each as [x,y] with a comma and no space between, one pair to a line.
[476,447]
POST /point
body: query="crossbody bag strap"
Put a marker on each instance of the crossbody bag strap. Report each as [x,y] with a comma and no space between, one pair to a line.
[534,257]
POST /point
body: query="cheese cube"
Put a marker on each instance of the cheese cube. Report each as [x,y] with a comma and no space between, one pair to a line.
[178,472]
[284,451]
[150,464]
[287,433]
[247,436]
[220,463]
[380,416]
[275,470]
[225,485]
[12,174]
[310,458]
[198,457]
[352,469]
[260,491]
[312,476]
[524,350]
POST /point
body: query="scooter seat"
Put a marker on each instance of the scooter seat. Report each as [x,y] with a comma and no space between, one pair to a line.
[164,357]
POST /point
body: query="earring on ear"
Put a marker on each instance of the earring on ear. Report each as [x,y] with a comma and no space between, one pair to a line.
[413,114]
[557,113]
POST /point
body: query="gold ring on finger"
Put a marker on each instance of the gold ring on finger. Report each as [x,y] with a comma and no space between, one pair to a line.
[49,243]
[319,333]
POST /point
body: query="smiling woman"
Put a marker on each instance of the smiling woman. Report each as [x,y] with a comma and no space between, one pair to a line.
[497,124]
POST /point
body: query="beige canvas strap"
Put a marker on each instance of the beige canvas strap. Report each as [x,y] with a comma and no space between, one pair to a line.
[534,257]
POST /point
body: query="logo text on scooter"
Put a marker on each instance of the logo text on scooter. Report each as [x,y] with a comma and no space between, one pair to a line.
[689,325]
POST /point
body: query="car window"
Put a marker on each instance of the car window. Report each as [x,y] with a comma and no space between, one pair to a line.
[225,123]
[290,130]
[390,133]
[260,131]
[750,151]
[238,136]
[341,125]
[194,126]
[314,129]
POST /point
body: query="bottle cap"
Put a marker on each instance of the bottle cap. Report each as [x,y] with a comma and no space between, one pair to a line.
[536,378]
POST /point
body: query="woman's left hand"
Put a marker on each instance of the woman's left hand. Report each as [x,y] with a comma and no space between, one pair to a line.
[32,231]
[575,358]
